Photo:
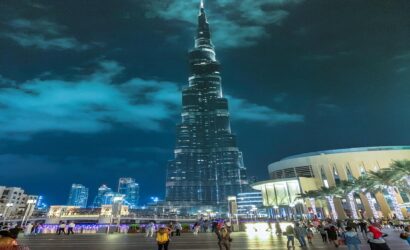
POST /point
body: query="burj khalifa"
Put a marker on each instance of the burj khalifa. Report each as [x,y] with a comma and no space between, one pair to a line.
[208,166]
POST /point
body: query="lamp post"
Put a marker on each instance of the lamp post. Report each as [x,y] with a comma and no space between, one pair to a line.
[8,205]
[28,211]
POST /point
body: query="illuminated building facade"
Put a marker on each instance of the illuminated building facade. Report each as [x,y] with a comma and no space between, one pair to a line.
[299,174]
[131,189]
[78,196]
[208,165]
[103,196]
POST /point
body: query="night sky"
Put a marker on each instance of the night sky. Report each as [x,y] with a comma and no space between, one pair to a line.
[90,90]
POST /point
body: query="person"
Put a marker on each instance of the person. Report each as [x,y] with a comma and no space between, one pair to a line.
[332,235]
[376,240]
[278,230]
[8,239]
[61,228]
[163,238]
[351,239]
[363,227]
[178,229]
[149,229]
[309,234]
[27,229]
[196,228]
[290,234]
[405,236]
[171,228]
[224,238]
[300,233]
[323,233]
[71,227]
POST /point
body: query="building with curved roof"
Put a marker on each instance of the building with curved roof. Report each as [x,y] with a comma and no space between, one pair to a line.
[301,173]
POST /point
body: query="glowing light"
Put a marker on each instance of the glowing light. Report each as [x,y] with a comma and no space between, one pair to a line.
[202,4]
[352,205]
[262,229]
[397,209]
[372,206]
[332,207]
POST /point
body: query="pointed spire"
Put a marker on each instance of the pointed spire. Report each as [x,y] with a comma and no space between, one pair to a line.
[201,7]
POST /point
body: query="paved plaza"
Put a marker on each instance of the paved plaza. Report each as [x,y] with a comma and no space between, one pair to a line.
[241,241]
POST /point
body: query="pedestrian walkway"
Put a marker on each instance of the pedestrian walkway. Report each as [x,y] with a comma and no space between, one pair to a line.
[204,241]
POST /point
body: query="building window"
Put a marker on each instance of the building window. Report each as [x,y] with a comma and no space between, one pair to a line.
[349,173]
[324,178]
[336,175]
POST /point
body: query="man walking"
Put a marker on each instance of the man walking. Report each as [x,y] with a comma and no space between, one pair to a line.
[178,228]
[61,228]
[300,233]
[71,227]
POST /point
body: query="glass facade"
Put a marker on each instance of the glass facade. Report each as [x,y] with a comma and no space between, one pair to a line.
[78,196]
[208,165]
[104,196]
[131,190]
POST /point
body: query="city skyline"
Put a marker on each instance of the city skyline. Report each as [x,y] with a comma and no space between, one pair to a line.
[92,97]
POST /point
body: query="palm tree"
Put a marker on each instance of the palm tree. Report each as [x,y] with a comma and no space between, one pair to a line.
[364,185]
[401,170]
[347,189]
[311,195]
[384,180]
[329,193]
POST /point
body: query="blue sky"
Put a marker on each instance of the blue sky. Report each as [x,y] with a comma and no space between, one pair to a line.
[90,90]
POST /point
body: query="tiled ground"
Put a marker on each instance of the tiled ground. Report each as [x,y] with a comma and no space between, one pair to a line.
[241,241]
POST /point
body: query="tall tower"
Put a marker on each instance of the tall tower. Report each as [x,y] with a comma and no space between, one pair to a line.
[131,189]
[208,165]
[78,196]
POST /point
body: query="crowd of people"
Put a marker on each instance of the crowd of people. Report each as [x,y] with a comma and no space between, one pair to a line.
[349,232]
[164,233]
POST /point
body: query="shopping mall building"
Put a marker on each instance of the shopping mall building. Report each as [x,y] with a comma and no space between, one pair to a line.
[299,174]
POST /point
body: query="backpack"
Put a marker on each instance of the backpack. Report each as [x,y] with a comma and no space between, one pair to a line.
[162,236]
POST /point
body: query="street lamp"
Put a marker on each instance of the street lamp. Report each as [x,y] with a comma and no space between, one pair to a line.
[28,211]
[8,205]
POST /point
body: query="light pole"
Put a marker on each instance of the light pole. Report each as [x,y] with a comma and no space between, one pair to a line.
[8,205]
[28,211]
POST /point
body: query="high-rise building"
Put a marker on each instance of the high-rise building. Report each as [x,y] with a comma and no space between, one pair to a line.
[13,201]
[103,196]
[208,165]
[78,196]
[131,189]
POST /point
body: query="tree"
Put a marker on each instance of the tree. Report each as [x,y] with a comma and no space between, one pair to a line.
[329,193]
[364,185]
[384,180]
[346,189]
[400,170]
[311,195]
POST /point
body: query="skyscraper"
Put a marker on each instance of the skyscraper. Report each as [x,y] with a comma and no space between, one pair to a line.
[78,196]
[103,197]
[131,189]
[208,165]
